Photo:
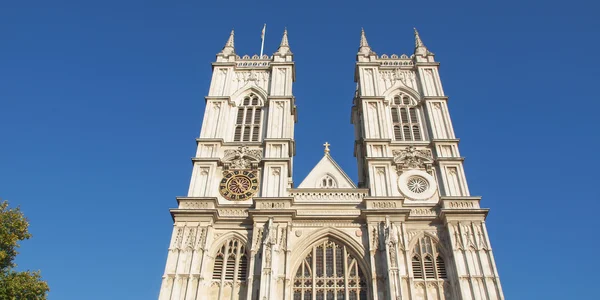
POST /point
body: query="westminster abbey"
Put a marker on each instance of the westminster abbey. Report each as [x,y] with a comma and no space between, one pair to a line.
[408,229]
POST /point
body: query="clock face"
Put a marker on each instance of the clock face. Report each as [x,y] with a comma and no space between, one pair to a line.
[238,185]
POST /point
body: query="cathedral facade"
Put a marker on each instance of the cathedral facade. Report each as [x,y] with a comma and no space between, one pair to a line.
[408,229]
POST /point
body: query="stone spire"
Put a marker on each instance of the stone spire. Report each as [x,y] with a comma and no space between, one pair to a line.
[284,46]
[229,48]
[364,45]
[420,48]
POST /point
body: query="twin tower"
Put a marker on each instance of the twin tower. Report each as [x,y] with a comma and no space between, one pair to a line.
[409,229]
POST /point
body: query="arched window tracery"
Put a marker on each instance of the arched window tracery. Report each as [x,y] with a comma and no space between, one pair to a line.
[327,182]
[427,261]
[329,272]
[231,262]
[249,115]
[406,118]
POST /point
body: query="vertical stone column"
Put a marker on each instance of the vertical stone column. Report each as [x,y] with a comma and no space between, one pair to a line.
[270,262]
[392,243]
[475,270]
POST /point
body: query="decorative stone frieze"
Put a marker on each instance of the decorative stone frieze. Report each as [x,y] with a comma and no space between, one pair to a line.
[242,158]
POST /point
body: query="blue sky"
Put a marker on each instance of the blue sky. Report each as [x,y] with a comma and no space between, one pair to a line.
[100,103]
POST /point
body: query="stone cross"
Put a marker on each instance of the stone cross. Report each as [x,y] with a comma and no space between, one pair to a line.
[327,147]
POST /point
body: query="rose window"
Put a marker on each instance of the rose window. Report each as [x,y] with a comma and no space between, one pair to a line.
[417,184]
[239,185]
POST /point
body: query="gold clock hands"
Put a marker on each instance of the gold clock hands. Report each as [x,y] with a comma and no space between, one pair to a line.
[239,182]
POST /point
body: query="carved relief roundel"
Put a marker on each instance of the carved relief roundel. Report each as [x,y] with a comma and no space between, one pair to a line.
[238,185]
[417,185]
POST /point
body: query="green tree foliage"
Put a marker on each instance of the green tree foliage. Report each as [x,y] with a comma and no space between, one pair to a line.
[16,285]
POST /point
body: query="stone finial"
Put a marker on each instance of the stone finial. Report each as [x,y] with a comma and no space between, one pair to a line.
[364,45]
[229,47]
[284,46]
[326,145]
[420,48]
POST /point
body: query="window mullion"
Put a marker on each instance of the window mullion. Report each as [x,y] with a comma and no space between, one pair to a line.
[346,274]
[314,273]
[224,267]
[252,122]
[237,264]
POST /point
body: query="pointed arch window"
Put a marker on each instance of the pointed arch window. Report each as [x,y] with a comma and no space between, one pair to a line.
[406,118]
[427,262]
[327,182]
[231,263]
[329,271]
[249,116]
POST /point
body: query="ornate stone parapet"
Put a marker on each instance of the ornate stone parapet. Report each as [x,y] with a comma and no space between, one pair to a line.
[386,203]
[461,202]
[274,204]
[328,195]
[423,212]
[196,203]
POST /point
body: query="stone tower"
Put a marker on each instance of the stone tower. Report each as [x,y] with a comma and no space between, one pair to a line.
[408,230]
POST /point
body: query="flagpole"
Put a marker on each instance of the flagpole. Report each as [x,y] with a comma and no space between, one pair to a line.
[262,45]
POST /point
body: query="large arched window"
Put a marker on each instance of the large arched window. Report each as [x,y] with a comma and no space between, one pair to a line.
[406,118]
[427,262]
[247,125]
[329,271]
[231,263]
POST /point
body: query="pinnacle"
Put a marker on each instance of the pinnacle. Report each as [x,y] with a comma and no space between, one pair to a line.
[229,46]
[230,40]
[364,45]
[284,39]
[418,42]
[284,46]
[363,38]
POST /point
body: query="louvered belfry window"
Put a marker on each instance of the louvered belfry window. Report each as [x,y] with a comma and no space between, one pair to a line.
[231,263]
[427,262]
[329,271]
[406,118]
[247,124]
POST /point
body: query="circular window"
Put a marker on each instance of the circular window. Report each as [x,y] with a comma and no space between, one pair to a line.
[417,184]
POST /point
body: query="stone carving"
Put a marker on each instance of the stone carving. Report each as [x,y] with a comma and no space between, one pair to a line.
[191,239]
[270,235]
[457,238]
[242,158]
[391,239]
[328,196]
[252,75]
[231,212]
[430,212]
[201,238]
[461,204]
[482,242]
[271,205]
[267,249]
[193,204]
[283,239]
[468,233]
[374,238]
[383,204]
[407,77]
[412,158]
[393,256]
[259,236]
[178,238]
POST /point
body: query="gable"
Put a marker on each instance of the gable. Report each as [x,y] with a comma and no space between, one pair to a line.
[327,174]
